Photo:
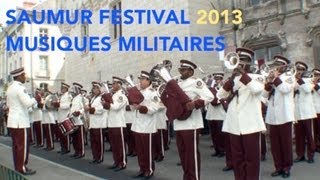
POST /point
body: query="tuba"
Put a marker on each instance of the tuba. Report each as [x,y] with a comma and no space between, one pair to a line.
[171,95]
[133,93]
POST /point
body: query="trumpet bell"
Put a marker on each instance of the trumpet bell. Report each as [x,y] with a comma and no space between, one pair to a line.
[231,60]
[160,71]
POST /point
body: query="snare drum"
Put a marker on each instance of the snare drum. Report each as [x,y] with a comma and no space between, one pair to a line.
[67,126]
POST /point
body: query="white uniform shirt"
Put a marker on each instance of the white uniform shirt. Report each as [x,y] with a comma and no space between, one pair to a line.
[195,89]
[244,115]
[117,110]
[97,118]
[281,105]
[216,113]
[77,104]
[161,117]
[64,109]
[18,102]
[304,108]
[145,123]
[316,100]
[49,115]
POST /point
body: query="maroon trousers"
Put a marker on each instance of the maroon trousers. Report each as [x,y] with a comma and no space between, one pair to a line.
[129,138]
[281,146]
[97,144]
[116,136]
[64,141]
[144,151]
[38,130]
[188,148]
[30,135]
[20,148]
[166,136]
[158,145]
[228,150]
[48,135]
[246,156]
[316,132]
[217,136]
[263,145]
[78,142]
[303,133]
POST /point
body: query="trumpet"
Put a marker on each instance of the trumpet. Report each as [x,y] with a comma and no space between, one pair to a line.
[231,60]
[267,70]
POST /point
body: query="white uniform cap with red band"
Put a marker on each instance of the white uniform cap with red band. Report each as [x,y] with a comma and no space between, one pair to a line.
[144,74]
[65,85]
[316,71]
[245,53]
[281,59]
[77,85]
[300,64]
[17,72]
[97,84]
[218,75]
[187,64]
[117,79]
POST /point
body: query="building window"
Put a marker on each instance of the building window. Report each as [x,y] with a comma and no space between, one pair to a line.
[267,53]
[44,86]
[43,32]
[84,34]
[257,2]
[43,63]
[116,29]
[316,51]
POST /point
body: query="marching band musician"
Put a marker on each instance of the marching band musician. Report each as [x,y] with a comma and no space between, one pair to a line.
[37,119]
[48,121]
[63,106]
[18,102]
[77,109]
[304,113]
[85,115]
[215,116]
[187,131]
[96,124]
[316,102]
[117,124]
[144,126]
[130,116]
[161,125]
[280,115]
[244,119]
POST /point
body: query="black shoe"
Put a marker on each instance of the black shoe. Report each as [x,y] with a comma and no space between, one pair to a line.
[215,154]
[263,158]
[166,148]
[114,166]
[99,161]
[159,159]
[79,156]
[120,168]
[133,155]
[93,162]
[139,175]
[310,161]
[129,154]
[227,168]
[148,176]
[277,173]
[29,172]
[286,174]
[74,155]
[59,152]
[64,152]
[109,150]
[179,164]
[221,155]
[299,159]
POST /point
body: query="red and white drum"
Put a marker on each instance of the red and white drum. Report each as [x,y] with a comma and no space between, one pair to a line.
[67,126]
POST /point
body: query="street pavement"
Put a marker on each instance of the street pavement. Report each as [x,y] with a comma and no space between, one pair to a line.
[51,165]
